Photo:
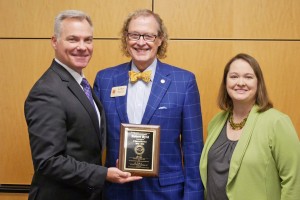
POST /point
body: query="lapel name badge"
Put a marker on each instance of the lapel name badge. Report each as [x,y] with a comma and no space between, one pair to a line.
[118,91]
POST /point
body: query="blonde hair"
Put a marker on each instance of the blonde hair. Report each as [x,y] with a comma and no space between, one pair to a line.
[162,32]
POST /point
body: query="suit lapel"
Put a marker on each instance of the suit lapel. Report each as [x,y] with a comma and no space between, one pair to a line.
[242,145]
[79,94]
[214,132]
[160,86]
[121,79]
[102,122]
[77,91]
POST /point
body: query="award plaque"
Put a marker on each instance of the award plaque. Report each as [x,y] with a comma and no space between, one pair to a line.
[139,149]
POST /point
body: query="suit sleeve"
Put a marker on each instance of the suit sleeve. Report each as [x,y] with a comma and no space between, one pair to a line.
[47,126]
[192,141]
[286,152]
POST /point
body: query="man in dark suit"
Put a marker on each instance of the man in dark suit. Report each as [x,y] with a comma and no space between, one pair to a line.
[67,130]
[166,96]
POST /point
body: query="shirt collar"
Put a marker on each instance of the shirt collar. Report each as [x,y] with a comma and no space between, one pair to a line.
[75,75]
[152,67]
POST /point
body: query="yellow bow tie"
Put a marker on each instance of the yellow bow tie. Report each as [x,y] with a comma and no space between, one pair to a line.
[135,76]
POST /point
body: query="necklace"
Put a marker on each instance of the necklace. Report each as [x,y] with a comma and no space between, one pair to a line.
[236,126]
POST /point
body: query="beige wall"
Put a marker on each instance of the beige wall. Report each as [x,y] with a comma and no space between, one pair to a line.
[204,36]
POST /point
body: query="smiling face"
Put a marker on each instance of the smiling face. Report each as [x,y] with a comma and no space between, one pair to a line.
[74,46]
[241,83]
[143,53]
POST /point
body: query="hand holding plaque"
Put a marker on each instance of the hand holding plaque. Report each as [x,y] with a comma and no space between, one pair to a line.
[139,149]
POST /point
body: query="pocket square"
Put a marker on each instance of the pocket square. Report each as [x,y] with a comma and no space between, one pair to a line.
[162,108]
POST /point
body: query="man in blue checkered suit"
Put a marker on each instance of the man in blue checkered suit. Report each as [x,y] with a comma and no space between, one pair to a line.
[162,95]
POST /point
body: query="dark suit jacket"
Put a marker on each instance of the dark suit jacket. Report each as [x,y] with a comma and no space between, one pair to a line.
[65,139]
[174,104]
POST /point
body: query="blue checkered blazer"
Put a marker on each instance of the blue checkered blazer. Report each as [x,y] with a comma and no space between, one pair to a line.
[174,104]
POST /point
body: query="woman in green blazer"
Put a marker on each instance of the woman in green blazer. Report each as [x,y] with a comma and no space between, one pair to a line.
[252,151]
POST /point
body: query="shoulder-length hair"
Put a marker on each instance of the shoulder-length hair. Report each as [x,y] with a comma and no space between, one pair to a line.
[162,32]
[262,99]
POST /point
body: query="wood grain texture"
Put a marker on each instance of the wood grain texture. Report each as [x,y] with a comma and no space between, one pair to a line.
[205,35]
[231,19]
[35,18]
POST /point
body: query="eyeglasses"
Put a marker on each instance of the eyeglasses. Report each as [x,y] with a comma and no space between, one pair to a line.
[146,37]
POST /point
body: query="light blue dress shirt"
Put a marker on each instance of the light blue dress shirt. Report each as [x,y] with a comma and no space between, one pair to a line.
[138,95]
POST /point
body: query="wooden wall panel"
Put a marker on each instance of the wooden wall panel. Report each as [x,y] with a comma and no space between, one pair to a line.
[18,73]
[204,34]
[35,18]
[107,53]
[231,19]
[279,62]
[7,196]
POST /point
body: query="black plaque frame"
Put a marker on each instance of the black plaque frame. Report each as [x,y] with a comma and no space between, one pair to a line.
[139,149]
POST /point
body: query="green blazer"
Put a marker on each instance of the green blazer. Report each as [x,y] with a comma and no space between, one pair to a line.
[265,164]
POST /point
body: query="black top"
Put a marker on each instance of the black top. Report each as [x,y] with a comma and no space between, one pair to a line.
[219,157]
